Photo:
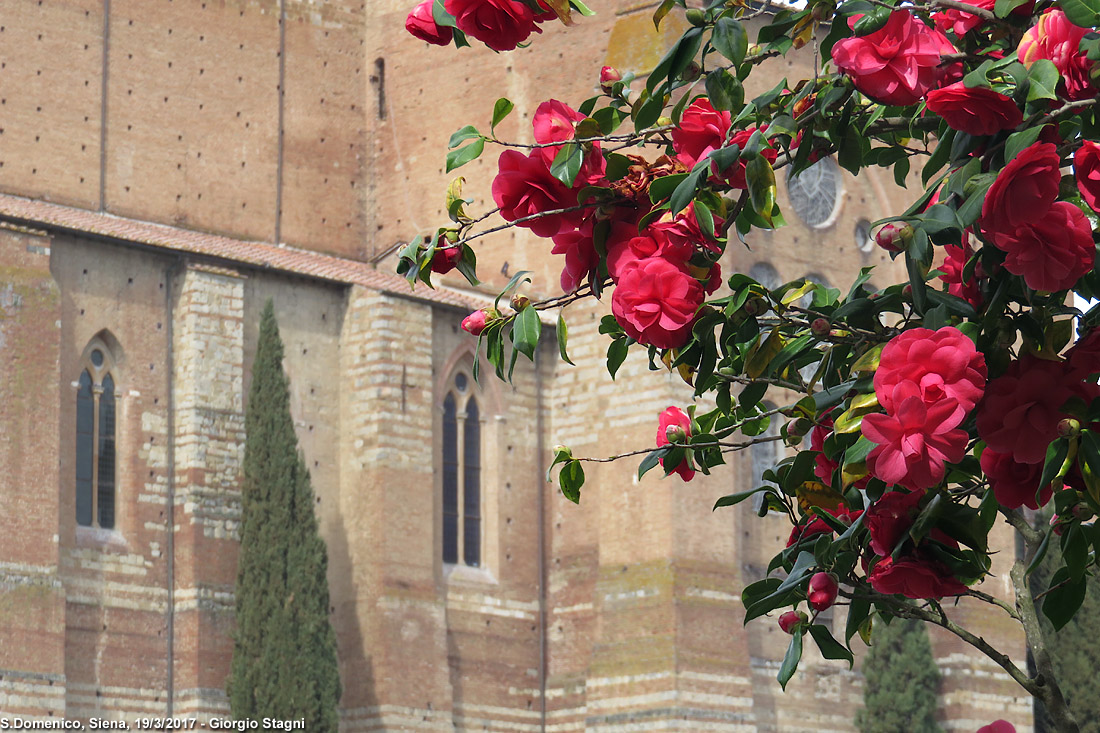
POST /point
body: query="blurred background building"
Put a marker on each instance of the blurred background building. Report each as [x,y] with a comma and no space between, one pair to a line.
[166,166]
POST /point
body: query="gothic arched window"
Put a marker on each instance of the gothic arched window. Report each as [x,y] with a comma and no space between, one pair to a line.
[461,474]
[95,439]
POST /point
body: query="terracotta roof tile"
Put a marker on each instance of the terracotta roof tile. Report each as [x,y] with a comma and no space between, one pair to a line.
[263,255]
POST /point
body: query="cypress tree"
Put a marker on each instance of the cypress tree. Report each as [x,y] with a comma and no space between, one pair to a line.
[284,656]
[1073,649]
[901,680]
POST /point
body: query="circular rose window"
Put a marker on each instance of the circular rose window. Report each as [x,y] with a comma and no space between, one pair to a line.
[815,193]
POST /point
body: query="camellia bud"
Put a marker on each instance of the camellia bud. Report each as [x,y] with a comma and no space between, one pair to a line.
[820,327]
[692,72]
[696,17]
[894,236]
[756,306]
[664,122]
[791,620]
[1082,512]
[1057,525]
[475,323]
[1069,428]
[675,434]
[801,426]
[608,76]
[519,302]
[822,591]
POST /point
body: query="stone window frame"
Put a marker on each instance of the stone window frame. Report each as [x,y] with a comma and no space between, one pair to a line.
[462,397]
[102,380]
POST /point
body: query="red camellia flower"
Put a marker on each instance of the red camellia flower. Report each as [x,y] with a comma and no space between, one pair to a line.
[822,591]
[446,258]
[674,417]
[889,519]
[1023,190]
[524,186]
[422,25]
[655,302]
[1014,484]
[554,122]
[1055,38]
[682,230]
[651,244]
[915,440]
[914,577]
[953,268]
[977,110]
[702,130]
[790,620]
[1084,357]
[1022,408]
[580,253]
[998,726]
[943,364]
[1051,253]
[734,176]
[1086,167]
[896,64]
[499,24]
[475,323]
[961,22]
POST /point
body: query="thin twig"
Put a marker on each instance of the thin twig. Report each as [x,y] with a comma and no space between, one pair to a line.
[727,448]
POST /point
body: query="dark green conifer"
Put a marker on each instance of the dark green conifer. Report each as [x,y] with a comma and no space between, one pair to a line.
[284,657]
[900,680]
[1073,649]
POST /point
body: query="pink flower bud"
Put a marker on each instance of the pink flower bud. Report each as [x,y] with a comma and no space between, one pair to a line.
[675,434]
[894,236]
[1068,427]
[475,323]
[608,76]
[822,591]
[519,302]
[790,620]
[1082,512]
[820,327]
[1057,524]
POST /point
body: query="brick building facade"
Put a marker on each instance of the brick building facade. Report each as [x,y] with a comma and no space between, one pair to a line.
[169,165]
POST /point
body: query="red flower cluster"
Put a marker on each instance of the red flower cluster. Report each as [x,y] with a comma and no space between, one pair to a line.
[1086,168]
[1048,242]
[703,130]
[1019,418]
[1055,38]
[928,381]
[915,574]
[422,24]
[674,421]
[897,64]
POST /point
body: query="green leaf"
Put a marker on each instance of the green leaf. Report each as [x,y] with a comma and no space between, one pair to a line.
[462,156]
[676,61]
[563,339]
[661,11]
[648,112]
[730,39]
[567,163]
[1085,13]
[1040,553]
[1018,141]
[500,110]
[790,660]
[571,479]
[685,192]
[1004,8]
[830,647]
[661,188]
[761,181]
[724,90]
[460,136]
[1063,599]
[651,460]
[616,355]
[468,265]
[1043,77]
[733,499]
[1056,456]
[857,613]
[526,331]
